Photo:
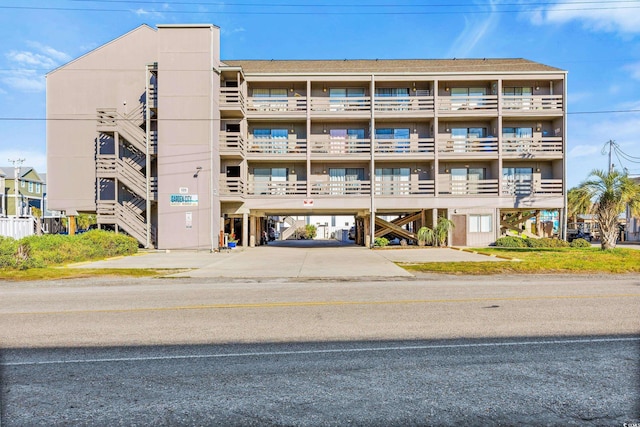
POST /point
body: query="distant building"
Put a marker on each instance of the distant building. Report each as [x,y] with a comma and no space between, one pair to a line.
[30,187]
[169,143]
[632,229]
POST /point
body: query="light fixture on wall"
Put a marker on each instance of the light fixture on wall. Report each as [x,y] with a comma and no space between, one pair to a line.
[291,89]
[293,171]
[537,168]
[324,88]
[414,86]
[293,129]
[446,89]
[324,128]
[416,170]
[538,127]
[446,168]
[446,127]
[537,86]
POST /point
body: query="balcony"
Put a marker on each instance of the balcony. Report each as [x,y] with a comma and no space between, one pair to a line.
[232,144]
[400,106]
[266,147]
[276,188]
[467,105]
[324,146]
[258,107]
[231,102]
[230,187]
[343,106]
[532,104]
[551,187]
[341,188]
[468,147]
[523,148]
[404,188]
[404,147]
[483,187]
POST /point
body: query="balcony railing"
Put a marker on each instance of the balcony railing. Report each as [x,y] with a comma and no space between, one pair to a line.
[276,188]
[532,104]
[395,104]
[341,188]
[340,106]
[232,187]
[531,147]
[468,104]
[277,105]
[468,145]
[232,142]
[276,146]
[231,97]
[404,146]
[404,188]
[339,146]
[549,186]
[467,187]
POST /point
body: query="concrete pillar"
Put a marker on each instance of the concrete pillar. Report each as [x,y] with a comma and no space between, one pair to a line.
[252,231]
[245,229]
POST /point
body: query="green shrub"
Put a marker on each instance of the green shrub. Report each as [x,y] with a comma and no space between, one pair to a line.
[381,242]
[547,242]
[51,249]
[580,243]
[511,242]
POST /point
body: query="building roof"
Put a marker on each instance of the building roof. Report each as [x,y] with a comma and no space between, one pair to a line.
[9,172]
[454,65]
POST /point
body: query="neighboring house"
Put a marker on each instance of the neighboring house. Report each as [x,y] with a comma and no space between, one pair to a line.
[3,208]
[632,230]
[190,147]
[30,188]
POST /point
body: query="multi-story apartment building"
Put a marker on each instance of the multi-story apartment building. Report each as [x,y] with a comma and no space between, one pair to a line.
[166,141]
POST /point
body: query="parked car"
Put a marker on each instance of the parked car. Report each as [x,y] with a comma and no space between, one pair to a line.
[573,234]
[352,233]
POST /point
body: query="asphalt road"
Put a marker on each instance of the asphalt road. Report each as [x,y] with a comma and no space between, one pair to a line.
[528,381]
[435,350]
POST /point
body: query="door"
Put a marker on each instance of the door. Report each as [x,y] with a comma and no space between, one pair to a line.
[459,233]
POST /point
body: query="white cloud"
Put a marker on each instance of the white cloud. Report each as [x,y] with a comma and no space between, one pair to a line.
[607,16]
[150,13]
[473,33]
[583,151]
[28,66]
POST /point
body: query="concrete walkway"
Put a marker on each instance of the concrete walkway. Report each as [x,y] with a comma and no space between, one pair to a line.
[298,259]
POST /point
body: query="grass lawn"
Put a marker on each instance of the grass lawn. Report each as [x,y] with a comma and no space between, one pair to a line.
[541,261]
[51,273]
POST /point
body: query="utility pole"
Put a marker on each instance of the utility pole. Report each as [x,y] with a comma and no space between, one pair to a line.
[611,143]
[16,168]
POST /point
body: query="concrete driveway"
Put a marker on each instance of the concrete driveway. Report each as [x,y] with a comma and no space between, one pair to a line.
[291,259]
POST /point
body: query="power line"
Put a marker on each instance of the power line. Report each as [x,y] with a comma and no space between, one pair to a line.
[343,13]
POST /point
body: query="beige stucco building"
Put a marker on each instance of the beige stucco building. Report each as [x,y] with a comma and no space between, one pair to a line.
[166,141]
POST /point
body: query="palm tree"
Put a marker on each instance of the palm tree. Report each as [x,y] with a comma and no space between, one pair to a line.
[609,194]
[578,202]
[442,229]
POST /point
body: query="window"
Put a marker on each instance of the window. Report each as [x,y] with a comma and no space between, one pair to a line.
[30,187]
[467,98]
[270,99]
[517,97]
[517,180]
[337,101]
[393,140]
[346,140]
[466,180]
[270,180]
[37,187]
[480,223]
[466,136]
[392,180]
[392,91]
[345,180]
[22,184]
[271,140]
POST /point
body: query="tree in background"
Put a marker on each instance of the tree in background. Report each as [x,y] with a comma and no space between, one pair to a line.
[608,195]
[578,202]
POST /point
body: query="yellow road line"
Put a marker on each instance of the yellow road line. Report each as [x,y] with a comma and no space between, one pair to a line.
[323,303]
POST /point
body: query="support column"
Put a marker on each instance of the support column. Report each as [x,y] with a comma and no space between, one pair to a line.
[245,229]
[252,232]
[367,232]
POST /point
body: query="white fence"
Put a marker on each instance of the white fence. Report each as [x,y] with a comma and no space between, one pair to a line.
[17,227]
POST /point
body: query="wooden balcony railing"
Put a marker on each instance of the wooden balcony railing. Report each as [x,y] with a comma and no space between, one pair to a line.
[277,105]
[404,188]
[404,146]
[549,186]
[468,187]
[532,103]
[530,147]
[467,104]
[232,142]
[276,146]
[340,106]
[232,187]
[231,97]
[341,188]
[468,145]
[339,146]
[399,104]
[276,188]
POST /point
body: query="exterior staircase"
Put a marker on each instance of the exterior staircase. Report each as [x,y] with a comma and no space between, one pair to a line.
[293,224]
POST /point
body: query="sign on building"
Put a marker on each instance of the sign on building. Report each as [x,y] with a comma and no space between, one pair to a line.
[183,200]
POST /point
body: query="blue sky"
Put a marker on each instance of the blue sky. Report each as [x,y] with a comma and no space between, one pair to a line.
[598,42]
